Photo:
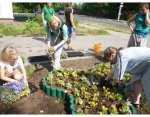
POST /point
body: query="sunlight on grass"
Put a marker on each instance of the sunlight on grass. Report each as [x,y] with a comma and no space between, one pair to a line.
[87,31]
[107,26]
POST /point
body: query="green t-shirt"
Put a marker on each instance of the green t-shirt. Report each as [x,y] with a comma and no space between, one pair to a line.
[48,12]
[140,26]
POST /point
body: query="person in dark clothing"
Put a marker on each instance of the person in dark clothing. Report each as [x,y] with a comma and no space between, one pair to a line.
[70,23]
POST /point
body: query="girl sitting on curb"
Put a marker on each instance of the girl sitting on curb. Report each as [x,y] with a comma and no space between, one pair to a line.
[11,65]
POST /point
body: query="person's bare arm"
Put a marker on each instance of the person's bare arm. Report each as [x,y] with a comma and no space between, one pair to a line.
[23,69]
[44,22]
[5,78]
[147,19]
[130,20]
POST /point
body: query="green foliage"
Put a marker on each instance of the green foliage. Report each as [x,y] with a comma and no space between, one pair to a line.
[10,29]
[30,25]
[76,22]
[30,70]
[13,91]
[38,19]
[33,28]
[19,9]
[78,6]
[110,10]
[79,111]
[118,97]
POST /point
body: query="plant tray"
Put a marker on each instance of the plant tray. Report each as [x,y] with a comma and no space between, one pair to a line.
[75,53]
[38,59]
[32,87]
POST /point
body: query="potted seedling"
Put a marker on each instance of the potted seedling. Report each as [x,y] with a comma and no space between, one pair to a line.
[104,109]
[76,92]
[60,82]
[118,97]
[50,79]
[92,103]
[113,109]
[68,86]
[50,53]
[79,101]
[74,74]
[79,111]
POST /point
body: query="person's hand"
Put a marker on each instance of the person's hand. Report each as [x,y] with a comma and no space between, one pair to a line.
[147,11]
[55,48]
[49,46]
[44,22]
[114,82]
[108,78]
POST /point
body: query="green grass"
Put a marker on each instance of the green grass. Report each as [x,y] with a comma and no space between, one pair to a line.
[25,28]
[34,27]
[10,29]
[87,31]
[107,26]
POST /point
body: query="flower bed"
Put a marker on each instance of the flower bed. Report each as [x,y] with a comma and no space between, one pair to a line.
[13,91]
[91,94]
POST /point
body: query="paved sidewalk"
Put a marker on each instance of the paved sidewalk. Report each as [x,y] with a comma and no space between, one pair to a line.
[33,46]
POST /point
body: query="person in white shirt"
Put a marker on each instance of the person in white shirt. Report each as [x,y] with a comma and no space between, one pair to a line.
[134,60]
[11,65]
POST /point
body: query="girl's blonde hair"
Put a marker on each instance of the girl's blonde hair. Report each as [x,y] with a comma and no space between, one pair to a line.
[7,53]
[53,19]
[111,50]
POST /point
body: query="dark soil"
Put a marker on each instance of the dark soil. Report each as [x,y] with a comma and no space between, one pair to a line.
[38,102]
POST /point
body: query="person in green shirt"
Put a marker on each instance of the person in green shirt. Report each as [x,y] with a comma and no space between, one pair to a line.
[47,12]
[141,29]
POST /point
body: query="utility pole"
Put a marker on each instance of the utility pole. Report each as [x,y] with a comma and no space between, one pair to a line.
[120,8]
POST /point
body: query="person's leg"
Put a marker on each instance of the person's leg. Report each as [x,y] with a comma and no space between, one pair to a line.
[68,42]
[17,75]
[70,30]
[131,42]
[137,92]
[57,54]
[47,33]
[146,85]
[9,72]
[143,41]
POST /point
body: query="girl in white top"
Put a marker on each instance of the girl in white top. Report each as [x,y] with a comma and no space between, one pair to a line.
[134,60]
[11,65]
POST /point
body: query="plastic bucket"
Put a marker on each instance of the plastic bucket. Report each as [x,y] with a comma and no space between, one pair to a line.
[97,48]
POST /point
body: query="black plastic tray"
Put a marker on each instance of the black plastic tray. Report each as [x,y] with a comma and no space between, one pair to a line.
[38,59]
[75,53]
[32,87]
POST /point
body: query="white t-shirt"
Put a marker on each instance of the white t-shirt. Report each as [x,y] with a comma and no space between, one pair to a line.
[11,67]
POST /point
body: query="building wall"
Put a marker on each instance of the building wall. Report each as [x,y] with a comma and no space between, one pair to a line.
[6,11]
